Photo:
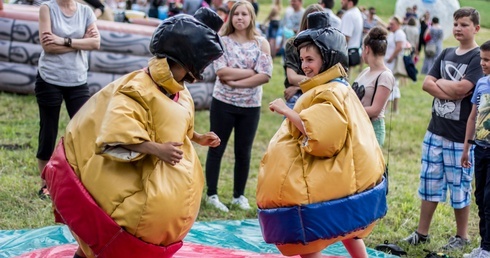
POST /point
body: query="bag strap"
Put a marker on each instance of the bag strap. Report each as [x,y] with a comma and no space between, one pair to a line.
[376,87]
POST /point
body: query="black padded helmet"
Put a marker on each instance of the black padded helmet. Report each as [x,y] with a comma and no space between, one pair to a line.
[192,42]
[330,41]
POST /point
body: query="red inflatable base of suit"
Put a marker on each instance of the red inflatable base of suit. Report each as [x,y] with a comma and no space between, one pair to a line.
[189,250]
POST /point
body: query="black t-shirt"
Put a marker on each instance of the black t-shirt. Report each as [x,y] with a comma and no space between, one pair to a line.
[449,116]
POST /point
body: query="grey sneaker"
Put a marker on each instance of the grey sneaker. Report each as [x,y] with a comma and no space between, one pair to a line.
[415,238]
[241,202]
[474,253]
[213,200]
[456,243]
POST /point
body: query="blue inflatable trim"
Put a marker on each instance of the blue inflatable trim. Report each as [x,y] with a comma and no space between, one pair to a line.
[325,220]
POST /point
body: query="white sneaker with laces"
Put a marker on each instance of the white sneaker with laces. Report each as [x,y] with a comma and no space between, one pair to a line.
[241,202]
[213,200]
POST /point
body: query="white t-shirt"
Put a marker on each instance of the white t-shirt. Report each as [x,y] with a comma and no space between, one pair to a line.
[292,19]
[393,38]
[351,26]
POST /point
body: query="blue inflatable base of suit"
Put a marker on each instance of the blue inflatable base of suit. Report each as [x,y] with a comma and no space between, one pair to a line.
[239,238]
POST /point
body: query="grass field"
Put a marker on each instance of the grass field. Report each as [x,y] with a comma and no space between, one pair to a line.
[19,178]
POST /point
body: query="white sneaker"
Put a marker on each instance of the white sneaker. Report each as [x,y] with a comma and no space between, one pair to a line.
[213,200]
[484,254]
[477,253]
[241,202]
[474,253]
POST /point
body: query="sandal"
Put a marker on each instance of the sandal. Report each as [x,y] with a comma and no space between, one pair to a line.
[43,193]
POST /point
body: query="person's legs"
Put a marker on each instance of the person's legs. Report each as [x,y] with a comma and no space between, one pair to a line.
[79,253]
[432,187]
[221,123]
[462,216]
[245,128]
[75,97]
[459,184]
[49,99]
[355,247]
[427,210]
[485,176]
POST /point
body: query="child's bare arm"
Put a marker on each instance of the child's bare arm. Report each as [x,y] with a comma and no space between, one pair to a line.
[280,107]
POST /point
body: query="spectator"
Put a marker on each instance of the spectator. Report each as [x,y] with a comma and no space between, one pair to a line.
[292,16]
[351,27]
[242,70]
[292,62]
[319,146]
[274,20]
[62,68]
[396,42]
[412,32]
[377,80]
[477,132]
[333,20]
[127,156]
[424,24]
[371,21]
[450,81]
[340,13]
[433,47]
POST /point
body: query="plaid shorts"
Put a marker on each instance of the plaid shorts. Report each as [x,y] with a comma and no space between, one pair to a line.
[441,169]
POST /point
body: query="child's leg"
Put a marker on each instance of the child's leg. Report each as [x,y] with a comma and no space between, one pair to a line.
[355,247]
[312,255]
[79,253]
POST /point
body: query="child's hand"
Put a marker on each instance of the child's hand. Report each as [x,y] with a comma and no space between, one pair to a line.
[208,139]
[170,152]
[278,106]
[465,161]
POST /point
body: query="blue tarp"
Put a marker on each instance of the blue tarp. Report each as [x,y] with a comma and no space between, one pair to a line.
[239,234]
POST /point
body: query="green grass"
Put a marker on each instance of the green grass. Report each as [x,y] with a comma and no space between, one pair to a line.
[19,178]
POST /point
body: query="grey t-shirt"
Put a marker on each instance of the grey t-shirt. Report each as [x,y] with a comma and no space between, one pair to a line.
[68,69]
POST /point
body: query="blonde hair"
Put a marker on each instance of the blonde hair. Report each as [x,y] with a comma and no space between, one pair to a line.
[251,29]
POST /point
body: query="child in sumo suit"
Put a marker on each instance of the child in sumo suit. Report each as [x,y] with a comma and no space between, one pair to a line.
[321,178]
[125,178]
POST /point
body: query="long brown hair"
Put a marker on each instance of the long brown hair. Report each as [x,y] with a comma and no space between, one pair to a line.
[251,29]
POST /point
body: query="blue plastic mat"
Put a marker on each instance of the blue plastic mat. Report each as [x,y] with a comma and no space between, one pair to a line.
[240,235]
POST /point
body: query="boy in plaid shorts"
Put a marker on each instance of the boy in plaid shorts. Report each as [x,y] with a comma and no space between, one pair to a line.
[450,81]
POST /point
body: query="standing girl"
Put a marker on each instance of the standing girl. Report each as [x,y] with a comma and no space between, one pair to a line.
[66,30]
[242,70]
[274,20]
[377,79]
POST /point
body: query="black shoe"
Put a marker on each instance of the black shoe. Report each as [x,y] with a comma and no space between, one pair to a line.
[416,238]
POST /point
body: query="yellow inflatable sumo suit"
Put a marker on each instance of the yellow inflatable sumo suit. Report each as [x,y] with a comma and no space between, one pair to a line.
[317,189]
[150,199]
[126,164]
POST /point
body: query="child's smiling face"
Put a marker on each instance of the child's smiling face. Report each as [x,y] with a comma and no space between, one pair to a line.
[485,61]
[311,60]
